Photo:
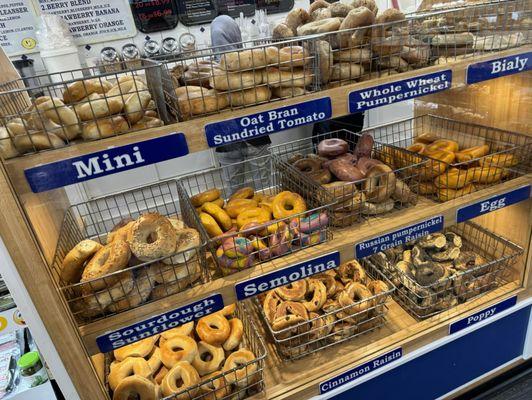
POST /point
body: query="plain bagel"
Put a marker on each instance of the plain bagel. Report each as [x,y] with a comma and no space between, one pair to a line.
[321,26]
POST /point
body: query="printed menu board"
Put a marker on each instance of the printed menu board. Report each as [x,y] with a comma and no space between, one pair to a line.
[154,15]
[235,7]
[195,12]
[17,27]
[275,6]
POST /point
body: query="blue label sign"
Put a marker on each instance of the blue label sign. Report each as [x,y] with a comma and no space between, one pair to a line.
[111,161]
[268,122]
[482,315]
[360,370]
[493,203]
[503,66]
[281,277]
[394,92]
[159,323]
[398,237]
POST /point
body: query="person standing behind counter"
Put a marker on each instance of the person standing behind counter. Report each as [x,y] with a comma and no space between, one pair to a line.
[226,35]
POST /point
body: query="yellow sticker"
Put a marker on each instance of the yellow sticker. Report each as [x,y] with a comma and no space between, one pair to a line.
[29,43]
[17,318]
[3,323]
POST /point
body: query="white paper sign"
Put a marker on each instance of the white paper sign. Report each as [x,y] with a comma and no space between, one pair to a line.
[17,27]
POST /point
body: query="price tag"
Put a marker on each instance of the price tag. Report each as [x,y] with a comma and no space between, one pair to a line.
[360,370]
[398,237]
[482,315]
[493,203]
[397,91]
[152,326]
[263,283]
[95,165]
[268,122]
[503,66]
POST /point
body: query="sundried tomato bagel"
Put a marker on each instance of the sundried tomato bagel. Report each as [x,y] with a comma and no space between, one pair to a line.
[213,329]
[225,80]
[259,94]
[178,348]
[136,387]
[152,236]
[72,266]
[182,376]
[110,258]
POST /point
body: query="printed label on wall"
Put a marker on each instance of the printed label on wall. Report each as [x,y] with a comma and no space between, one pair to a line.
[398,237]
[268,122]
[159,323]
[360,370]
[503,66]
[397,91]
[281,277]
[492,204]
[17,27]
[482,315]
[106,162]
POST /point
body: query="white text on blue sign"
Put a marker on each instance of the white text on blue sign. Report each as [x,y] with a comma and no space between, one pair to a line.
[394,92]
[504,66]
[360,370]
[159,323]
[398,237]
[282,277]
[268,122]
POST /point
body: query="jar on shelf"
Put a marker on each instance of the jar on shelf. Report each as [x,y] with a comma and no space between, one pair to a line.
[32,371]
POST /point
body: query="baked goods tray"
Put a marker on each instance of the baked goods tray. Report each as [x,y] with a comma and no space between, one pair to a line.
[353,307]
[465,157]
[377,181]
[303,221]
[244,380]
[441,270]
[107,293]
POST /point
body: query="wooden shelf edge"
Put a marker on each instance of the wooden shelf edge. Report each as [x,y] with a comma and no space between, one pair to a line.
[194,129]
[343,241]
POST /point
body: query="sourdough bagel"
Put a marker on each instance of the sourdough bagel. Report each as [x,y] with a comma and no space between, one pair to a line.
[213,329]
[183,377]
[104,127]
[142,348]
[130,366]
[136,387]
[321,26]
[235,337]
[299,77]
[238,366]
[223,80]
[246,97]
[208,359]
[178,348]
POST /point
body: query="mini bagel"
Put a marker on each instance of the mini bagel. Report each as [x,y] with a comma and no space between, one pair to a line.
[110,258]
[72,265]
[104,127]
[204,197]
[128,367]
[135,105]
[36,141]
[209,364]
[321,26]
[97,106]
[148,121]
[256,95]
[286,204]
[152,236]
[380,183]
[319,295]
[239,367]
[298,77]
[253,215]
[183,330]
[213,329]
[186,374]
[294,291]
[60,114]
[142,348]
[136,387]
[78,90]
[224,80]
[235,337]
[178,348]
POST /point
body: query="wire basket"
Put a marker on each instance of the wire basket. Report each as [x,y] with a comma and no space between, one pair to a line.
[241,75]
[504,155]
[490,259]
[242,381]
[269,238]
[334,323]
[61,108]
[391,189]
[140,281]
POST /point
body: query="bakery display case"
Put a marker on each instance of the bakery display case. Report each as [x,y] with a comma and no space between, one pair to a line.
[293,274]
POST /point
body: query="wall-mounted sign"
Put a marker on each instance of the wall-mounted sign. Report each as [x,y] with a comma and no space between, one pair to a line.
[154,15]
[235,7]
[17,27]
[196,12]
[275,6]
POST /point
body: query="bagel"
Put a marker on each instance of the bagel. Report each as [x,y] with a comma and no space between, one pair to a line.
[112,294]
[286,204]
[319,295]
[60,114]
[472,153]
[147,122]
[502,160]
[214,387]
[246,59]
[293,56]
[294,291]
[282,31]
[178,348]
[257,95]
[235,337]
[142,348]
[339,9]
[366,3]
[7,146]
[205,364]
[454,178]
[394,62]
[183,330]
[110,258]
[139,294]
[321,26]
[221,217]
[239,367]
[97,106]
[72,265]
[442,144]
[136,387]
[142,232]
[128,367]
[224,80]
[78,90]
[181,378]
[104,127]
[379,184]
[36,141]
[317,5]
[213,329]
[18,127]
[346,71]
[275,77]
[355,55]
[284,92]
[352,271]
[135,104]
[125,85]
[154,360]
[296,18]
[120,230]
[195,100]
[187,240]
[355,296]
[207,196]
[198,73]
[320,13]
[356,18]
[325,58]
[446,194]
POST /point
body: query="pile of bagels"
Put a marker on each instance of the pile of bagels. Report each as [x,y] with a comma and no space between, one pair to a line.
[359,184]
[364,36]
[89,109]
[253,227]
[240,78]
[454,171]
[170,246]
[205,360]
[331,306]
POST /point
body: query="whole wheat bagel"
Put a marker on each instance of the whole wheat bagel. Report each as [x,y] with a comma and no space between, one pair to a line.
[356,18]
